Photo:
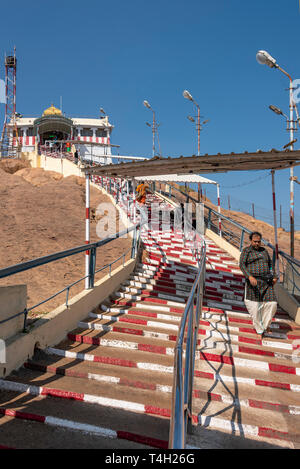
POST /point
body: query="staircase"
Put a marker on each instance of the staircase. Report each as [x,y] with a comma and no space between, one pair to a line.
[109,383]
[245,385]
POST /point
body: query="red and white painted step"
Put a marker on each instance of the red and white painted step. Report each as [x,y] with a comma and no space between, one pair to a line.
[119,360]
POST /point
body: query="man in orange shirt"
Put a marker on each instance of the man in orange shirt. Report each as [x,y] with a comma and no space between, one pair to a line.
[142,190]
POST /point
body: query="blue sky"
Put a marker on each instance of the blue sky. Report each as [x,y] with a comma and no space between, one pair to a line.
[116,54]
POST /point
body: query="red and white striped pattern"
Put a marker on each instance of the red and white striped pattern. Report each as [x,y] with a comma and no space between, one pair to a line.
[82,427]
[126,345]
[105,140]
[25,141]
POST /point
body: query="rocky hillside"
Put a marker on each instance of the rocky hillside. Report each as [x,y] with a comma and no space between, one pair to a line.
[41,213]
[252,224]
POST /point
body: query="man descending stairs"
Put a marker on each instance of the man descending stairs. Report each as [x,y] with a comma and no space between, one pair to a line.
[245,385]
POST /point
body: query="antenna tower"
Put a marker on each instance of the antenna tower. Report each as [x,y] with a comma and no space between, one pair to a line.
[10,144]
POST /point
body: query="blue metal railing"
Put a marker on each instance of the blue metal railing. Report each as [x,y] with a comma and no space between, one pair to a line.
[92,247]
[181,414]
[234,233]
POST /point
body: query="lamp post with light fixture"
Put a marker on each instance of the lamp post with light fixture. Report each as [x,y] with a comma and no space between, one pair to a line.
[198,127]
[265,58]
[154,128]
[280,113]
[188,96]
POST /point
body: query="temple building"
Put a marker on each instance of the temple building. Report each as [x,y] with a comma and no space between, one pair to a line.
[90,136]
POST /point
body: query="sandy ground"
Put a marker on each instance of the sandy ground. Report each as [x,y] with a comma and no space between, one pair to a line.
[42,213]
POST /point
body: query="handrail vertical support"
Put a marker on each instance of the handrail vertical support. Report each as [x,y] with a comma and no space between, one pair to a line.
[276,265]
[87,229]
[242,240]
[25,319]
[209,219]
[92,268]
[219,209]
[133,248]
[134,200]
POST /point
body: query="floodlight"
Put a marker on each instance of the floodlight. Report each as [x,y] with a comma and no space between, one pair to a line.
[187,95]
[264,58]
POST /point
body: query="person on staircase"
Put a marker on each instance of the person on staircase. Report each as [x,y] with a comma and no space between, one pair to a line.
[142,190]
[260,299]
[141,194]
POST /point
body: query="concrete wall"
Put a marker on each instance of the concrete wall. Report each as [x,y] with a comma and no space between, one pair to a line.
[13,300]
[54,326]
[59,165]
[292,279]
[166,199]
[223,244]
[288,302]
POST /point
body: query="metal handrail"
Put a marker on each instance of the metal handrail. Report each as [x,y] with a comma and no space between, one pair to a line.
[289,277]
[17,268]
[238,225]
[92,247]
[181,414]
[182,390]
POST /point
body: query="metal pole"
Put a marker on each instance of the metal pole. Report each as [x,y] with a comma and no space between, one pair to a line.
[198,130]
[219,209]
[292,224]
[275,224]
[87,229]
[188,375]
[229,202]
[119,182]
[291,129]
[127,197]
[134,201]
[242,240]
[153,132]
[280,219]
[253,214]
[156,129]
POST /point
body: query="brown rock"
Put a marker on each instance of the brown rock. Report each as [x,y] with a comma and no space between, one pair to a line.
[42,213]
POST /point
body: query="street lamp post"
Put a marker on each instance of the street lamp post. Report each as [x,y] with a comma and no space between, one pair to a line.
[280,113]
[265,58]
[154,128]
[188,96]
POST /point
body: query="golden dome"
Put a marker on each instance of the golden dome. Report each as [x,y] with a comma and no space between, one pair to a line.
[52,111]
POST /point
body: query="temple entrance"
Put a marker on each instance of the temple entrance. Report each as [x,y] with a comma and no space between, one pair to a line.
[52,128]
[53,136]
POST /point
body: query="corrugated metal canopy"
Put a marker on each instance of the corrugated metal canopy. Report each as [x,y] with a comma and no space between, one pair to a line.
[259,160]
[177,178]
